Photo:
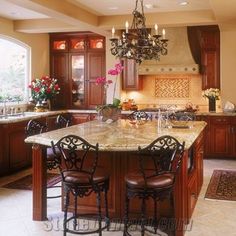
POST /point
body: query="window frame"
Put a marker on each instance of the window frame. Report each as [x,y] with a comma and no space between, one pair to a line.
[28,67]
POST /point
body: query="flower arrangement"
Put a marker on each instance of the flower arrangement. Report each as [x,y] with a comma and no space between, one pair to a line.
[211,93]
[105,83]
[110,111]
[44,88]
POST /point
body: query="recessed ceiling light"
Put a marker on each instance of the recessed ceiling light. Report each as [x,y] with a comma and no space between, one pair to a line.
[148,6]
[112,8]
[183,3]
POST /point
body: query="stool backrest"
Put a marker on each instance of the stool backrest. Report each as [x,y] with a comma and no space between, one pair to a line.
[76,154]
[139,115]
[62,121]
[34,127]
[164,155]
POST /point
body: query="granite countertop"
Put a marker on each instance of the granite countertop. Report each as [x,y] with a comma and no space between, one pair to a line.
[121,135]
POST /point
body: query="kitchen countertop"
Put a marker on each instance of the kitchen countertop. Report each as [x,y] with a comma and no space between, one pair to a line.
[35,115]
[121,135]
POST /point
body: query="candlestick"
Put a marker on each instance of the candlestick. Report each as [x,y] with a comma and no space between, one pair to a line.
[156,29]
[113,32]
[163,34]
[126,27]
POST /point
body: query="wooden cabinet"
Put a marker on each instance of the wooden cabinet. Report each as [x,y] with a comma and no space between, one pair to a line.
[195,174]
[220,136]
[233,136]
[205,47]
[130,78]
[210,57]
[15,153]
[76,60]
[79,118]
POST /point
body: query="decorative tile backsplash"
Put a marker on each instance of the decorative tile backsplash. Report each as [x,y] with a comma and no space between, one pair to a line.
[172,87]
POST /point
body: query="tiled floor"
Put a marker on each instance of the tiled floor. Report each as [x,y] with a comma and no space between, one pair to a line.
[210,218]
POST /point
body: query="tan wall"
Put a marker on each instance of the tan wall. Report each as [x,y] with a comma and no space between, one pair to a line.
[228,65]
[39,44]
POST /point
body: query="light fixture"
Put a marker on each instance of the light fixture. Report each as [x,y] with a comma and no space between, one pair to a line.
[137,43]
[183,3]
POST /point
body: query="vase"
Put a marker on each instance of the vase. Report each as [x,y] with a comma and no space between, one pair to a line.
[110,113]
[212,104]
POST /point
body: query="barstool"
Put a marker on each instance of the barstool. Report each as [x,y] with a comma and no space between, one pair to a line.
[63,121]
[80,178]
[35,127]
[155,179]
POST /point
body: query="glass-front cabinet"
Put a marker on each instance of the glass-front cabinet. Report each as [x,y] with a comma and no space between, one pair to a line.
[83,55]
[77,77]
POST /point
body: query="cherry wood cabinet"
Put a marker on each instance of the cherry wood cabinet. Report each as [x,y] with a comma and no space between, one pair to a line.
[195,174]
[76,60]
[204,43]
[130,78]
[220,136]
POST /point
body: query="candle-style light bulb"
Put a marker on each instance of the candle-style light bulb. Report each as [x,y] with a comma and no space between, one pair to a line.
[156,29]
[163,34]
[113,32]
[126,27]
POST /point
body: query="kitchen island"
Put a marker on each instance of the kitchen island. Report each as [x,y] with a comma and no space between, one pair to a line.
[118,142]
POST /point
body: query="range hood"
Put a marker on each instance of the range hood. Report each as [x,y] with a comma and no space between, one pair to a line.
[178,60]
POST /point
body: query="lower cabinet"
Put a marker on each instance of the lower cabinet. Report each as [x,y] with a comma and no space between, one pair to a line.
[195,174]
[15,153]
[220,136]
[79,118]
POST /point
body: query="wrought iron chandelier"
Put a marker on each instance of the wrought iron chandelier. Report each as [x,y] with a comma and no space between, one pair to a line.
[137,43]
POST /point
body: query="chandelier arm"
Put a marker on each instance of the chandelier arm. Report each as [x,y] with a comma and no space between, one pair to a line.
[138,44]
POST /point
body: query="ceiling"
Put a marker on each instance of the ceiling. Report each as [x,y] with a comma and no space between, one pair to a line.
[40,16]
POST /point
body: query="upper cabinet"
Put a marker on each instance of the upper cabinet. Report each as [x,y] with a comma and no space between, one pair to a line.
[76,60]
[205,46]
[131,80]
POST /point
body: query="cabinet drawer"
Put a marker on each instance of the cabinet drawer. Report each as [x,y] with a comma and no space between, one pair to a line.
[220,120]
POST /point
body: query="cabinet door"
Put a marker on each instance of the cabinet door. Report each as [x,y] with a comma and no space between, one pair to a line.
[210,69]
[220,136]
[130,78]
[95,68]
[80,118]
[19,151]
[233,136]
[77,76]
[192,195]
[59,71]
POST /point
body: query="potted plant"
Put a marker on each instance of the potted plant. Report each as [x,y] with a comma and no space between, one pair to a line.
[110,111]
[42,91]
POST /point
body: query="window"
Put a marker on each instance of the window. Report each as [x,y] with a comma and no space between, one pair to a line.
[14,70]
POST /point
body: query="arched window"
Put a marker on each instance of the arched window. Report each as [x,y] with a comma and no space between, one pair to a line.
[14,70]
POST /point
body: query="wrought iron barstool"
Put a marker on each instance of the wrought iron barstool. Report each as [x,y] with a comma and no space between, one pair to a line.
[36,127]
[80,178]
[155,179]
[63,121]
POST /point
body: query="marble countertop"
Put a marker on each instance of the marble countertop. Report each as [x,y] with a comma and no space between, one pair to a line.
[121,135]
[35,115]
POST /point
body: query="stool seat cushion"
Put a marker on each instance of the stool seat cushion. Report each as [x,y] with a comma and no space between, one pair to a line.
[76,177]
[153,181]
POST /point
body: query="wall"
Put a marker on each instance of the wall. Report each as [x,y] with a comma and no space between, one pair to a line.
[39,44]
[147,97]
[228,64]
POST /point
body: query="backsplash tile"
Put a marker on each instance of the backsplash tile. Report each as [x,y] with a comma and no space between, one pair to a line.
[172,87]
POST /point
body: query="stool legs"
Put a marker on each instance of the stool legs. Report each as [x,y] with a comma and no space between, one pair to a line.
[126,219]
[143,210]
[106,209]
[67,200]
[99,212]
[75,211]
